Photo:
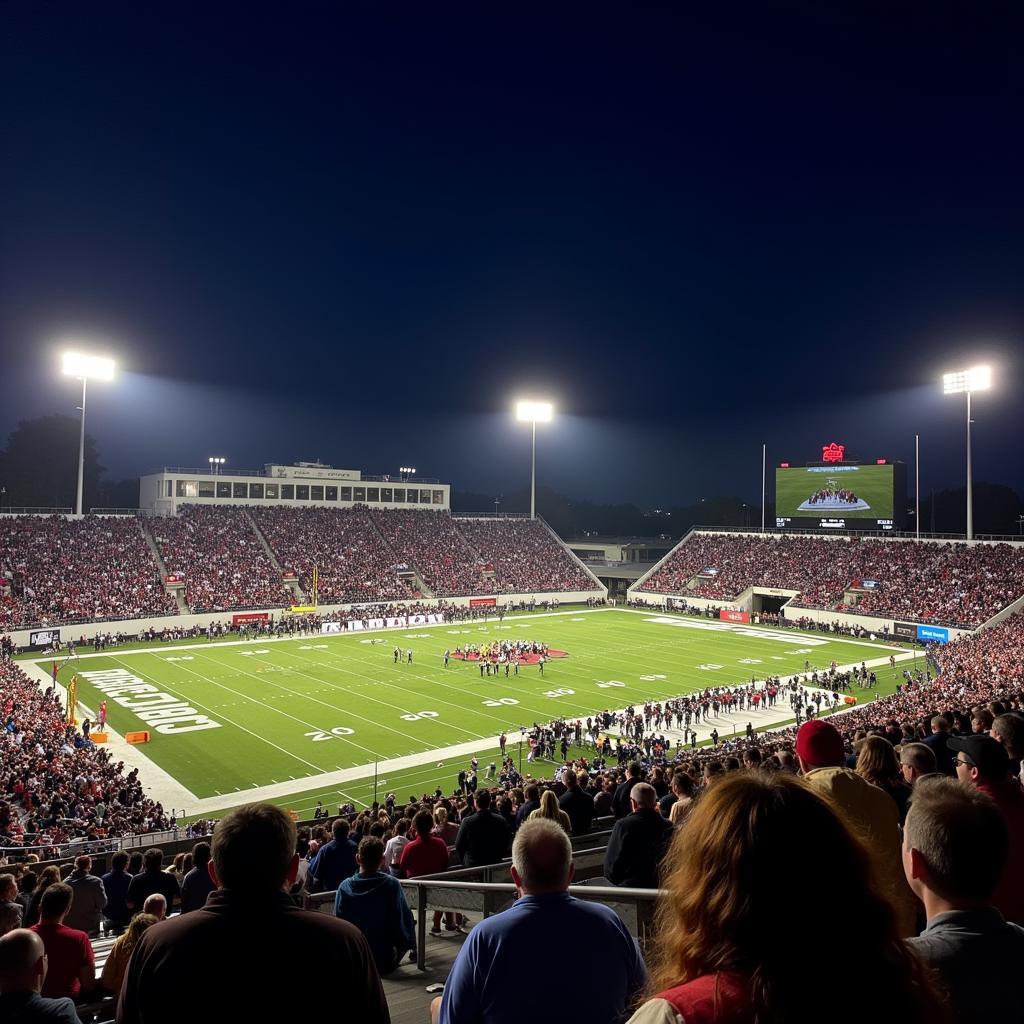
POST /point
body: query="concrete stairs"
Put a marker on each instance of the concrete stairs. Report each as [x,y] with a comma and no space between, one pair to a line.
[293,586]
[178,593]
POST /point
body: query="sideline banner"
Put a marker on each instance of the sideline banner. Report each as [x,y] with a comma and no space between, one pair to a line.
[728,615]
[483,602]
[249,617]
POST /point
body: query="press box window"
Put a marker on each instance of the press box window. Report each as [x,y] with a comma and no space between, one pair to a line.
[400,495]
[331,493]
[424,497]
[239,491]
[373,494]
[255,490]
[386,494]
[187,489]
[206,489]
[223,490]
[359,494]
[316,492]
[438,497]
[271,490]
[302,492]
[287,492]
[346,494]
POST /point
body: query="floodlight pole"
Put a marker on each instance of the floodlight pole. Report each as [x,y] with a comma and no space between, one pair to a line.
[970,483]
[533,472]
[917,486]
[81,452]
[764,466]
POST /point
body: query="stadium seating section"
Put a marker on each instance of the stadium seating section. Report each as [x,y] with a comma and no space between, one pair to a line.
[55,570]
[950,584]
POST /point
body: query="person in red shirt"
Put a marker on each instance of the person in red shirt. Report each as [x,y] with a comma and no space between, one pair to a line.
[713,956]
[71,969]
[427,854]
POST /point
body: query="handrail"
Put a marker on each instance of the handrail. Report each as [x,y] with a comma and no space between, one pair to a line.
[34,510]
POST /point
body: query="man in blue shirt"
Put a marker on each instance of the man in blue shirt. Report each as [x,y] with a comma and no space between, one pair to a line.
[335,861]
[115,885]
[489,968]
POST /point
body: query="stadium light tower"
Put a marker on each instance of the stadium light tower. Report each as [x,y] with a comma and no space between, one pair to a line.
[964,382]
[534,413]
[86,368]
[216,461]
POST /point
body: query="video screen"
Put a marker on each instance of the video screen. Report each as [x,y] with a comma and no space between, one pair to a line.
[833,494]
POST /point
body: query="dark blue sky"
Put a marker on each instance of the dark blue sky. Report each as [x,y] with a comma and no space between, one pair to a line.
[358,231]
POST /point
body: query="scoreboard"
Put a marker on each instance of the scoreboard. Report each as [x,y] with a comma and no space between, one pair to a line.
[840,493]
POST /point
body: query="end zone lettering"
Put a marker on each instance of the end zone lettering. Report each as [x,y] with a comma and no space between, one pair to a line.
[166,713]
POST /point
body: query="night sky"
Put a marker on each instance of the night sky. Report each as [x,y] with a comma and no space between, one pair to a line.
[358,231]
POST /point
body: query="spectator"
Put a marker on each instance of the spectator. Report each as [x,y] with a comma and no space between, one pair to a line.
[47,877]
[549,809]
[427,854]
[444,828]
[983,762]
[723,897]
[23,966]
[877,764]
[1008,729]
[483,837]
[156,906]
[488,969]
[334,861]
[683,791]
[247,945]
[89,898]
[577,803]
[939,742]
[11,910]
[398,842]
[916,760]
[623,794]
[117,959]
[529,805]
[955,848]
[872,813]
[115,884]
[198,884]
[150,880]
[373,901]
[70,966]
[25,889]
[638,842]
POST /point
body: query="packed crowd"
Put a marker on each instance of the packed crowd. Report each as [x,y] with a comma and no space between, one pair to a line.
[525,556]
[353,562]
[55,569]
[55,786]
[431,543]
[952,584]
[221,558]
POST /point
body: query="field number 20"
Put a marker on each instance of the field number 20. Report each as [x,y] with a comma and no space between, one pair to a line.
[318,735]
[422,714]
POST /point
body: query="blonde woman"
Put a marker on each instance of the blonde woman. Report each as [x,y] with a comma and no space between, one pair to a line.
[121,951]
[444,828]
[549,809]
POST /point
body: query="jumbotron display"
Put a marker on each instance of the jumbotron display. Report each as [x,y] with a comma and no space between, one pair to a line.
[839,493]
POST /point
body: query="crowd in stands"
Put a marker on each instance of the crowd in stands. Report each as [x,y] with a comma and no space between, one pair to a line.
[524,555]
[55,569]
[353,562]
[221,558]
[55,786]
[431,543]
[952,584]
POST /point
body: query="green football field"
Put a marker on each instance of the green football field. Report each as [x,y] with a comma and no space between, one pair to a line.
[293,710]
[872,483]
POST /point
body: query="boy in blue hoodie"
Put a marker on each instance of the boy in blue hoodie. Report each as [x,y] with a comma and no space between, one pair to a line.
[373,901]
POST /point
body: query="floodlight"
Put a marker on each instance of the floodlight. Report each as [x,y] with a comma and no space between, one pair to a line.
[534,412]
[978,378]
[78,364]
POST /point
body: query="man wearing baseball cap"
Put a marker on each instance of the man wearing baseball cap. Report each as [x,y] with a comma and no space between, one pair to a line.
[983,762]
[869,810]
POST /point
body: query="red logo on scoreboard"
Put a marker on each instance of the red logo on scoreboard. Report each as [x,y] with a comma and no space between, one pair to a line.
[832,452]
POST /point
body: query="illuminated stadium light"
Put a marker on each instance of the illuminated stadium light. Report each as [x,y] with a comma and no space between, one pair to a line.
[216,461]
[528,411]
[978,378]
[964,382]
[534,412]
[86,368]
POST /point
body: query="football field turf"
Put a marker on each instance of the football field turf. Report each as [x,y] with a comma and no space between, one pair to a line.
[291,710]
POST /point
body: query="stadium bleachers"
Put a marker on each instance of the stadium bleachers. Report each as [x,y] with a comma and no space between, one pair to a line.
[65,570]
[949,584]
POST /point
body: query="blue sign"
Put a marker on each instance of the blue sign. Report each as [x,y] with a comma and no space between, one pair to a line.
[935,634]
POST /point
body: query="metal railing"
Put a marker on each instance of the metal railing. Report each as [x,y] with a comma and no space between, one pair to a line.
[34,510]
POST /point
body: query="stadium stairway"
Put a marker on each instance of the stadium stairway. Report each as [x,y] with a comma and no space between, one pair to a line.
[292,585]
[177,593]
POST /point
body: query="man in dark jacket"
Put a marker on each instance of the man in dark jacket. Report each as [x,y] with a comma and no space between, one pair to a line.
[620,802]
[197,884]
[150,880]
[89,898]
[579,805]
[375,904]
[115,884]
[529,805]
[638,842]
[939,742]
[484,838]
[335,861]
[242,949]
